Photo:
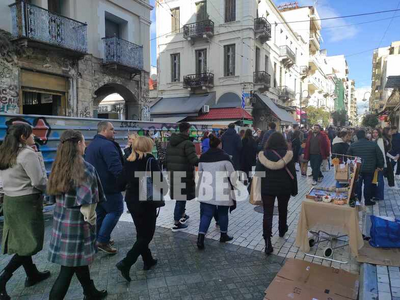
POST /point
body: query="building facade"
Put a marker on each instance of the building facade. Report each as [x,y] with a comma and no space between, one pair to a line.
[64,57]
[385,63]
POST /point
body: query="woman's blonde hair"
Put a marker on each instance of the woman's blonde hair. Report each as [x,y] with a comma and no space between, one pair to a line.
[133,135]
[140,147]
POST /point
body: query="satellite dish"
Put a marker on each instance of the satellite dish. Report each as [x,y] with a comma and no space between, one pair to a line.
[153,77]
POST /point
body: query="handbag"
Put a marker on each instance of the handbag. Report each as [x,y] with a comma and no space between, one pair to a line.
[147,190]
[384,233]
[255,191]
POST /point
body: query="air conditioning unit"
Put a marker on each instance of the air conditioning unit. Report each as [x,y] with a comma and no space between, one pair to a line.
[206,108]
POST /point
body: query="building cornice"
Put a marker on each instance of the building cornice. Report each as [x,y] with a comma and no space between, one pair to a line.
[144,4]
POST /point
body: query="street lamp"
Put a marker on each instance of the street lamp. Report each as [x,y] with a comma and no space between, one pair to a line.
[364,98]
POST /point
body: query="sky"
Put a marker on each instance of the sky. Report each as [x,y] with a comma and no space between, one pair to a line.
[356,41]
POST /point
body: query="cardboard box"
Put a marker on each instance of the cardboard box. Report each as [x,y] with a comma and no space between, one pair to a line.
[302,280]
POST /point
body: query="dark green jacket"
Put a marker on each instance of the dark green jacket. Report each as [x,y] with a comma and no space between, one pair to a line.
[181,156]
[370,153]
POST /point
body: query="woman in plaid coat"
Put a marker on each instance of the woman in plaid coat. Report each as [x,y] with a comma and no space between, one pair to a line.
[75,187]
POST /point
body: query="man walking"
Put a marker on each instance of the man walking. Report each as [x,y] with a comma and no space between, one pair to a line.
[272,129]
[371,159]
[232,144]
[395,149]
[181,160]
[106,156]
[317,149]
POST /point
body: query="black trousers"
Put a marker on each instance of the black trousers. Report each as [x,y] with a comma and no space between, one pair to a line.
[144,216]
[17,261]
[61,285]
[268,204]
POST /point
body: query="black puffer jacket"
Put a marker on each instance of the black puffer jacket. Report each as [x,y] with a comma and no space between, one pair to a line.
[182,157]
[277,181]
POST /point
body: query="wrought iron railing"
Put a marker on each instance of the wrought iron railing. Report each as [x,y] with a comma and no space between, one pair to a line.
[122,52]
[198,29]
[262,27]
[198,80]
[262,77]
[286,93]
[285,51]
[39,24]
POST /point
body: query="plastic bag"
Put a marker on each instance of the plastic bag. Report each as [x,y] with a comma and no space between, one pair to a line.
[384,233]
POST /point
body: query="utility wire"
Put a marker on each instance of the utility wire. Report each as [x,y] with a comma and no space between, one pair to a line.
[390,23]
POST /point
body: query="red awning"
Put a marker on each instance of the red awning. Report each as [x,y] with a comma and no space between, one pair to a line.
[224,114]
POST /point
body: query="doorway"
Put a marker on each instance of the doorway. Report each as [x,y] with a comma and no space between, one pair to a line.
[43,103]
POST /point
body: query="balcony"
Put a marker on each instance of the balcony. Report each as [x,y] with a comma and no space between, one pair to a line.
[202,80]
[286,93]
[262,29]
[121,54]
[37,27]
[304,70]
[287,56]
[314,42]
[262,79]
[198,30]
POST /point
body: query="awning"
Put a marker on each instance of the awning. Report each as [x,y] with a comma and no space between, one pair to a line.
[222,123]
[281,114]
[190,105]
[168,119]
[393,82]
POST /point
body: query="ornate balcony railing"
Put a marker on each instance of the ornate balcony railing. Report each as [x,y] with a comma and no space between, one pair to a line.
[286,93]
[198,29]
[262,28]
[262,77]
[35,23]
[286,53]
[121,52]
[198,80]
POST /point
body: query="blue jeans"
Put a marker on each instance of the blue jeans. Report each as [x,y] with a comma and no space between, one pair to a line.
[378,191]
[179,211]
[207,212]
[108,214]
[315,162]
[365,178]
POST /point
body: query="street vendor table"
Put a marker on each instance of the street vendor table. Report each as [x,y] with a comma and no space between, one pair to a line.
[342,217]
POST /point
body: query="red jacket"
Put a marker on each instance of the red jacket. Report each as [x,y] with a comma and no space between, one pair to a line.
[324,142]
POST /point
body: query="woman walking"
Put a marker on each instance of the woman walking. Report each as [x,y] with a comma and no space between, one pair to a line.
[212,164]
[279,182]
[248,154]
[378,190]
[24,180]
[296,146]
[205,142]
[128,149]
[75,187]
[144,213]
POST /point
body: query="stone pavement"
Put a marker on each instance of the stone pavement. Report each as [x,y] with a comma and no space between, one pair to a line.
[221,271]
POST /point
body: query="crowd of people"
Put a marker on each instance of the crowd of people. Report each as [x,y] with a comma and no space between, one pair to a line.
[87,184]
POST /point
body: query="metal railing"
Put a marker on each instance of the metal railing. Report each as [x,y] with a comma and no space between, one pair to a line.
[198,80]
[39,24]
[262,27]
[286,93]
[285,51]
[198,29]
[262,77]
[122,52]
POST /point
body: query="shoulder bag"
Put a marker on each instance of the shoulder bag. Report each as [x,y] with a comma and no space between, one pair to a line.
[147,190]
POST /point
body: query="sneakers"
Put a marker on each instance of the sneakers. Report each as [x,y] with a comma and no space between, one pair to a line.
[184,219]
[106,248]
[314,182]
[179,226]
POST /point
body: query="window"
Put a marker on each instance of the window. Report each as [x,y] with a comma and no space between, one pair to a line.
[175,19]
[201,61]
[281,76]
[201,11]
[229,60]
[295,85]
[112,29]
[230,10]
[266,63]
[257,59]
[54,6]
[175,67]
[275,74]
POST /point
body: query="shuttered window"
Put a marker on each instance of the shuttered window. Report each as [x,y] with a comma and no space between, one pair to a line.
[201,11]
[175,67]
[229,60]
[175,19]
[230,10]
[266,63]
[201,61]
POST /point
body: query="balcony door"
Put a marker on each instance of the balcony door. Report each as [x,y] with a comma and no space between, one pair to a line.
[201,11]
[112,29]
[258,59]
[54,6]
[201,61]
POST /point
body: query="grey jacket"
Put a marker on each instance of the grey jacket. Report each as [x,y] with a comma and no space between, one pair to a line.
[27,176]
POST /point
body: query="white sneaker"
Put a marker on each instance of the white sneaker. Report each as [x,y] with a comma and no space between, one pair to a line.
[314,182]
